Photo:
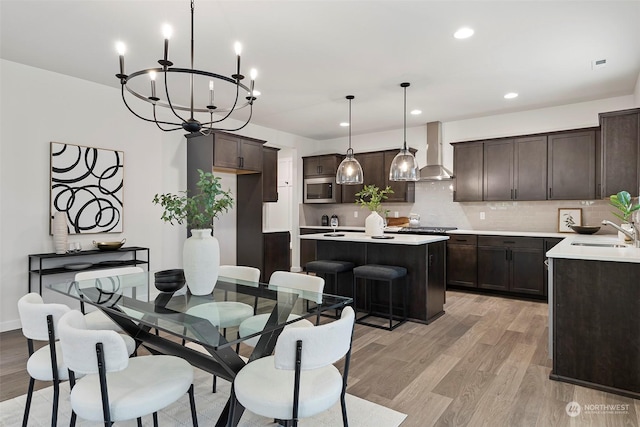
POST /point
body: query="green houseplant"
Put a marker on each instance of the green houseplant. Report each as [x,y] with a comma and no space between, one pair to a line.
[201,251]
[622,201]
[371,197]
[197,210]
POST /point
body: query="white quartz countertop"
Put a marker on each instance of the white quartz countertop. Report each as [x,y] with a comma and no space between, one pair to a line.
[566,249]
[516,233]
[397,239]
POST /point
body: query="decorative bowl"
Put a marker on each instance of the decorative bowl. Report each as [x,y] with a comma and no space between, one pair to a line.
[109,246]
[585,229]
[169,280]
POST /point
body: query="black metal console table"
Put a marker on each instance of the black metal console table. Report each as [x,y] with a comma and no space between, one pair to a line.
[49,264]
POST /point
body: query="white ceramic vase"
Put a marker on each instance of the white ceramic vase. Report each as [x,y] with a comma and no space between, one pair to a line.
[623,237]
[374,224]
[201,261]
[60,232]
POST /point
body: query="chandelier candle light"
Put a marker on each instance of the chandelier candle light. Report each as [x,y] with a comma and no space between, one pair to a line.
[349,172]
[404,166]
[236,98]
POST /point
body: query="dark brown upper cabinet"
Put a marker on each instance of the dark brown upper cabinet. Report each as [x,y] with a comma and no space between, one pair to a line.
[270,174]
[572,165]
[620,145]
[515,169]
[468,171]
[325,165]
[372,171]
[237,154]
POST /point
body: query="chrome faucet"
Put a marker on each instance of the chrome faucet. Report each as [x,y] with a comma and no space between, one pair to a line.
[633,234]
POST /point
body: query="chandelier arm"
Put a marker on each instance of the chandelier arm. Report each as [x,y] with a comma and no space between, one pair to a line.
[232,108]
[141,117]
[405,119]
[158,123]
[166,91]
[211,129]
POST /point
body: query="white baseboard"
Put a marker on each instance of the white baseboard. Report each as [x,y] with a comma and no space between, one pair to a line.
[10,325]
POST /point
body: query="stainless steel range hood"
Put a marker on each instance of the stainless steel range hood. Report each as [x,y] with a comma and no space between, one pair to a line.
[434,170]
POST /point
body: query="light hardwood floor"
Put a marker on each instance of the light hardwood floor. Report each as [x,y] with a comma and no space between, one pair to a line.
[484,363]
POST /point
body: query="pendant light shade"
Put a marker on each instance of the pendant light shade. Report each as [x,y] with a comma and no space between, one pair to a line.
[404,166]
[349,171]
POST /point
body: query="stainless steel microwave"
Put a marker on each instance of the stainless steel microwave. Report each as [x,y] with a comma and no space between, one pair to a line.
[322,190]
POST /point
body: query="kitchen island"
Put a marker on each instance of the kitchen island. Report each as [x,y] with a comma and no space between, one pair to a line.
[422,256]
[594,301]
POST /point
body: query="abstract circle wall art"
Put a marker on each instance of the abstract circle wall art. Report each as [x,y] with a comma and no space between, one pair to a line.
[87,184]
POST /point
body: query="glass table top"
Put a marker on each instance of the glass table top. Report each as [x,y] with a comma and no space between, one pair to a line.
[201,319]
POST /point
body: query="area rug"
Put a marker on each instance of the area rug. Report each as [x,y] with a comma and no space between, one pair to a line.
[361,413]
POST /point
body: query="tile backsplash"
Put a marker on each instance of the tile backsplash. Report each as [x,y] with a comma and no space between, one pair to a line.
[434,203]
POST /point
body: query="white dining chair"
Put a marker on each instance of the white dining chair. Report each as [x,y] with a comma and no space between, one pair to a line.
[39,323]
[113,386]
[226,314]
[299,380]
[106,279]
[311,287]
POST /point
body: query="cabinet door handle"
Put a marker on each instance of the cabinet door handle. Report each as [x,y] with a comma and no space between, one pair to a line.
[599,191]
[550,192]
[511,194]
[320,169]
[515,194]
[430,260]
[506,254]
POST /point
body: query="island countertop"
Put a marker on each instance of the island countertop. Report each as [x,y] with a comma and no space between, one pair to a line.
[396,239]
[567,250]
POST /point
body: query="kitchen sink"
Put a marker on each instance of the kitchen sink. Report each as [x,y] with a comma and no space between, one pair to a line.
[599,245]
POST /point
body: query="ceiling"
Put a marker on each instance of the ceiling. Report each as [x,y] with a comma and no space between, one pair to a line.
[311,54]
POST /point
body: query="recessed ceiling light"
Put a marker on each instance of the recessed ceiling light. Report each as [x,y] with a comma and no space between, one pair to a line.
[463,33]
[416,112]
[344,124]
[511,95]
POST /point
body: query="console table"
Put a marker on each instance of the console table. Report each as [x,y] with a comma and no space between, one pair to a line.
[51,263]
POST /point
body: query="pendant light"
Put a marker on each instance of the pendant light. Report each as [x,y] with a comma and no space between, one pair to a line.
[349,171]
[404,166]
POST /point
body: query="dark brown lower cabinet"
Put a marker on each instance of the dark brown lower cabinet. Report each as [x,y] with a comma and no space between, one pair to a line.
[596,332]
[462,260]
[512,264]
[277,253]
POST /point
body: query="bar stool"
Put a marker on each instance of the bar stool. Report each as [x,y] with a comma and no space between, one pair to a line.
[333,268]
[381,273]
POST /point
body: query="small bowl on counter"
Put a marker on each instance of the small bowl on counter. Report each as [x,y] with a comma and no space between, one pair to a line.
[585,229]
[109,246]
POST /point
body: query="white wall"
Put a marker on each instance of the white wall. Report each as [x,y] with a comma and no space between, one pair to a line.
[37,107]
[637,92]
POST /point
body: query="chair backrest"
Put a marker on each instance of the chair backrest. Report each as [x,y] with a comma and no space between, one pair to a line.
[321,345]
[79,346]
[112,283]
[240,272]
[33,316]
[312,285]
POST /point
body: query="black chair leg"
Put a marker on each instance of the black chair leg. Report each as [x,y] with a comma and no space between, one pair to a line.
[27,406]
[215,382]
[192,405]
[56,398]
[155,420]
[72,423]
[343,403]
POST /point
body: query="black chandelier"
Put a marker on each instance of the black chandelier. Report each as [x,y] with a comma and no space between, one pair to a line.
[238,94]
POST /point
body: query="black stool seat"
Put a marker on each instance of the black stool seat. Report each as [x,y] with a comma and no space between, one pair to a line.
[379,272]
[329,266]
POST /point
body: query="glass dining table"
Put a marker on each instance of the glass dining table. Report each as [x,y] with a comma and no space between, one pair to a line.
[162,321]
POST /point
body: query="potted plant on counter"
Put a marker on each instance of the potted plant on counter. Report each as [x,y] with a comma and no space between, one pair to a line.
[623,202]
[201,251]
[371,197]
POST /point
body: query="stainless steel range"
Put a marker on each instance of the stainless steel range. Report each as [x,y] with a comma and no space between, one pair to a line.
[426,230]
